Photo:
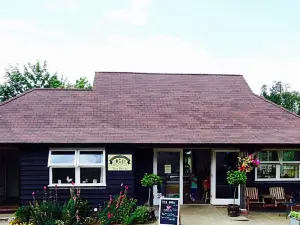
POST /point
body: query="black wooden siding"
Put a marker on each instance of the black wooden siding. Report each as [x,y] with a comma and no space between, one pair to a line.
[34,175]
[143,164]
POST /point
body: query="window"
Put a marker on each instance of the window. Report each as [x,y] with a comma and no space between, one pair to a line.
[278,165]
[85,167]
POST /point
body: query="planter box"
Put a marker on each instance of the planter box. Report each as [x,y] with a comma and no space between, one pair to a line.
[294,221]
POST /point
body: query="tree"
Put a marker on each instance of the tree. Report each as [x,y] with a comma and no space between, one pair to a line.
[281,94]
[34,76]
[82,83]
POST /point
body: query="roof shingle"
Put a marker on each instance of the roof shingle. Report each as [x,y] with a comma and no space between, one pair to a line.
[149,108]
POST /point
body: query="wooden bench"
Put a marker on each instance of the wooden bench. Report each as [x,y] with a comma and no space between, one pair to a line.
[252,197]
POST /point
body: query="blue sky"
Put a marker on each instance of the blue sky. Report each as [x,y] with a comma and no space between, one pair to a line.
[258,39]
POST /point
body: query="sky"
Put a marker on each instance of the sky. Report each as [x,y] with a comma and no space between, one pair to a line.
[258,39]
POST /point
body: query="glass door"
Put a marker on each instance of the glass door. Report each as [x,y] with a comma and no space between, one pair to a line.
[222,192]
[168,165]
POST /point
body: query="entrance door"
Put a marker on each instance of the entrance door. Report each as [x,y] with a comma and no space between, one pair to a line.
[168,163]
[221,192]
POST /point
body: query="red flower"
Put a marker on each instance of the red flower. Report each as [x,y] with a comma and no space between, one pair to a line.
[109,215]
[126,187]
[73,183]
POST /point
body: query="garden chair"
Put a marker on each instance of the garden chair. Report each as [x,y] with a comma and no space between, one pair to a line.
[279,195]
[252,197]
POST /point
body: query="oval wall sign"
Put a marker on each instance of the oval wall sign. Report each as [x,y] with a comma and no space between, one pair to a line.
[119,162]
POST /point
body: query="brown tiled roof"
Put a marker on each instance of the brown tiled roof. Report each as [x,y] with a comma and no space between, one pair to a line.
[148,108]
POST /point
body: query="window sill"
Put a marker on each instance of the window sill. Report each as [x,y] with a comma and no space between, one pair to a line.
[76,185]
[277,180]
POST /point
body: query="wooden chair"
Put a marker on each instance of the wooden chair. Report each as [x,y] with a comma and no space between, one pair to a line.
[279,195]
[252,197]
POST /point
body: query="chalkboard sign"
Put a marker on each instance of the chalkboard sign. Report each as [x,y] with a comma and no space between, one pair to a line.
[169,211]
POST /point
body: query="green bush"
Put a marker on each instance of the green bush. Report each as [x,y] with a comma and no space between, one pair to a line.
[22,214]
[295,215]
[150,180]
[118,208]
[142,214]
[51,212]
[236,177]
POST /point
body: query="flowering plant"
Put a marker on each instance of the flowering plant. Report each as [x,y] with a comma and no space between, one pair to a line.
[118,208]
[247,163]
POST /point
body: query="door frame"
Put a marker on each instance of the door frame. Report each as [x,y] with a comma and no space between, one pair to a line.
[155,194]
[214,200]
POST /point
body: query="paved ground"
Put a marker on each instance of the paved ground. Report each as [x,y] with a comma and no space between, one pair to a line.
[210,215]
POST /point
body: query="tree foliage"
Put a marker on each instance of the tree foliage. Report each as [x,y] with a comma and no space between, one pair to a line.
[34,76]
[281,94]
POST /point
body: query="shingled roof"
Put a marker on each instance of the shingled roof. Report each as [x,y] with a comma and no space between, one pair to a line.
[149,108]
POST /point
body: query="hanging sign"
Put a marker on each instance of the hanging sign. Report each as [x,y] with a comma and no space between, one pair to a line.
[119,162]
[169,211]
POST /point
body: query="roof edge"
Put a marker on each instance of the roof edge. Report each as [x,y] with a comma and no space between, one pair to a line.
[41,89]
[278,106]
[153,73]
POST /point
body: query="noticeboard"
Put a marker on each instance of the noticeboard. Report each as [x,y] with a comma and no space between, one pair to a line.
[169,211]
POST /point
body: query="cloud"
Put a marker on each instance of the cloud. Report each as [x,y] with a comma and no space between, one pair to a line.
[135,13]
[27,27]
[57,5]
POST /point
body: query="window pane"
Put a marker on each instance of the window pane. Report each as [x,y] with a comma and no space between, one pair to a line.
[91,157]
[290,155]
[91,175]
[268,156]
[63,175]
[289,171]
[61,157]
[266,171]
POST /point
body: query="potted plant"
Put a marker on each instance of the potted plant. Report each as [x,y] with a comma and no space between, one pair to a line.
[239,177]
[149,181]
[235,178]
[294,218]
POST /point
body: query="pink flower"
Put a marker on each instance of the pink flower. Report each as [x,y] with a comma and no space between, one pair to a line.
[122,185]
[109,215]
[33,193]
[45,188]
[73,183]
[126,187]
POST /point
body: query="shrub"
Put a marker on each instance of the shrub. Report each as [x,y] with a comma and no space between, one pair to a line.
[50,212]
[295,215]
[150,180]
[22,214]
[118,208]
[142,214]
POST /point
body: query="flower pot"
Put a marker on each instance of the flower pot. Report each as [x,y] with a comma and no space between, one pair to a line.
[233,210]
[294,221]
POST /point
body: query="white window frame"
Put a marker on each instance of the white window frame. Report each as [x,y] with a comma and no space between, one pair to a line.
[278,164]
[77,166]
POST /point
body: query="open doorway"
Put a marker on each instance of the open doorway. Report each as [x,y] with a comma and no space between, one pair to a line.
[196,176]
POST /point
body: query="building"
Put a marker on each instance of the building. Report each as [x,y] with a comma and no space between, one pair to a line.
[136,123]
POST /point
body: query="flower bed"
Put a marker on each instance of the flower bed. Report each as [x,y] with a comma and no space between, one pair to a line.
[118,209]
